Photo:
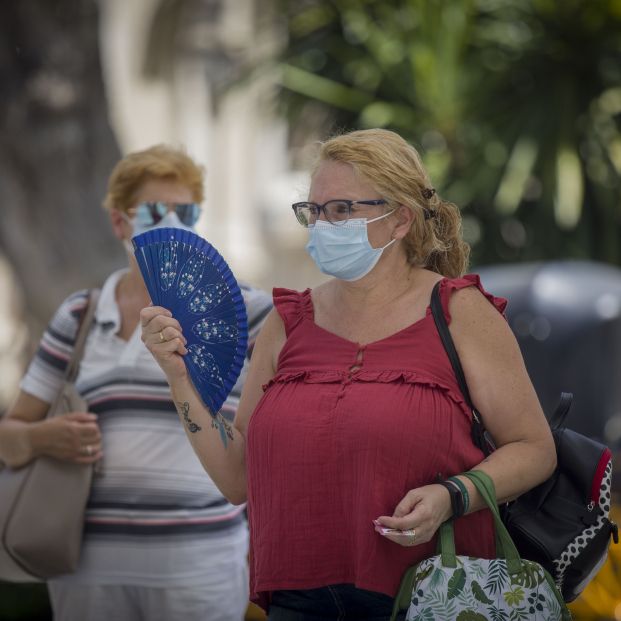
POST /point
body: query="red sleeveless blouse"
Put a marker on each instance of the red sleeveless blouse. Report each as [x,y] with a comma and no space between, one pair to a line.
[329,450]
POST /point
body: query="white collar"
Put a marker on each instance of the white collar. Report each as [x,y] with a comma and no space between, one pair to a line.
[107,311]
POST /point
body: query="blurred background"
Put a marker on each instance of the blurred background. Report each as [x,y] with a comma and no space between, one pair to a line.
[515,106]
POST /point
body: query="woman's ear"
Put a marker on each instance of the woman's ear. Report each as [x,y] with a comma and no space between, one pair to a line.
[405,217]
[120,226]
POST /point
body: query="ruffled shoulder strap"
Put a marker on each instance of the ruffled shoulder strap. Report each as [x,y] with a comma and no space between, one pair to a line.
[292,306]
[449,285]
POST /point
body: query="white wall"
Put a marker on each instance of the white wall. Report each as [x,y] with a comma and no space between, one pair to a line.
[243,144]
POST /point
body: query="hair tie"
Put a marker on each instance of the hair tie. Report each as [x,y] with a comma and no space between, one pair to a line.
[429,213]
[428,192]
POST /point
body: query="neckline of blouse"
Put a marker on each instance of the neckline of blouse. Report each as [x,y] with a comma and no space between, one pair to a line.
[308,312]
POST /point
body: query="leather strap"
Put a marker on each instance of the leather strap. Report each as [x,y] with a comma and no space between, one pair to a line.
[447,340]
[557,420]
[457,501]
[478,433]
[80,341]
[480,437]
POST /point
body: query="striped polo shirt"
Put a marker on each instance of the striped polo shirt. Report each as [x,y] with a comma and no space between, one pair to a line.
[154,516]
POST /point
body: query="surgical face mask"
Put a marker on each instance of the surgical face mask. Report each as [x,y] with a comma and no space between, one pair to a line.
[170,220]
[344,251]
[139,225]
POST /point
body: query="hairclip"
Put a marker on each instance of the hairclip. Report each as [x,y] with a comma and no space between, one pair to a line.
[428,192]
[429,213]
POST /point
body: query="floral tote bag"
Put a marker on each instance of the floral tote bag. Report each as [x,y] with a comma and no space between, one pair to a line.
[448,587]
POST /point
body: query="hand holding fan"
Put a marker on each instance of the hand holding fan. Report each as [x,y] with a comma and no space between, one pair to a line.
[185,274]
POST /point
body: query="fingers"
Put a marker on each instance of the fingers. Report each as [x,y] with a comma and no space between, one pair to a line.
[401,518]
[407,537]
[76,428]
[416,518]
[89,434]
[170,333]
[74,437]
[84,426]
[150,312]
[88,454]
[408,504]
[82,417]
[155,318]
[89,441]
[86,436]
[165,347]
[163,337]
[90,450]
[161,332]
[152,332]
[88,447]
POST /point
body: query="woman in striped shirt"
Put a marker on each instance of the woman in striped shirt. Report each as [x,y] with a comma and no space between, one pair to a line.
[160,540]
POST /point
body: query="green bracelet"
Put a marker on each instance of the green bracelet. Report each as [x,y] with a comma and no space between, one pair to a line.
[464,492]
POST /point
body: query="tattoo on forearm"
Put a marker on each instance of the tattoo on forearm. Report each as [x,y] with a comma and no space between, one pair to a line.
[184,410]
[223,426]
[218,422]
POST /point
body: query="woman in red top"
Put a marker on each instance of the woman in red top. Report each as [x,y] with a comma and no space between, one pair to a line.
[351,409]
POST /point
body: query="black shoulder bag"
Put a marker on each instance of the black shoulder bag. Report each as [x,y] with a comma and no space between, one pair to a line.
[562,523]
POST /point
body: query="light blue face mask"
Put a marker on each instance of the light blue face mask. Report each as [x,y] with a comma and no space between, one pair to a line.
[344,250]
[171,220]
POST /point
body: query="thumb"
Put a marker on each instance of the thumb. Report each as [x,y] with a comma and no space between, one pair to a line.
[406,506]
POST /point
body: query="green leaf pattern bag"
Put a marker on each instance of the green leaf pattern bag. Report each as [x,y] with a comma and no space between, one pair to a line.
[448,587]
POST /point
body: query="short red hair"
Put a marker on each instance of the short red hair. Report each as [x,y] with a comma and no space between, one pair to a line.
[157,162]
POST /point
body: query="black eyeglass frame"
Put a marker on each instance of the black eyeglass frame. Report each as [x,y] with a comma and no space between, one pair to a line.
[320,208]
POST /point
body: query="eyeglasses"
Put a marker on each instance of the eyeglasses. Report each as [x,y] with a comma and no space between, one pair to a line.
[336,211]
[149,214]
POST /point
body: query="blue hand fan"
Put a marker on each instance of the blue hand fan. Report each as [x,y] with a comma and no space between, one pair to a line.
[187,275]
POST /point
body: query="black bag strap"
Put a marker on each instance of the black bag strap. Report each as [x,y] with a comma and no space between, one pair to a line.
[447,340]
[80,341]
[480,437]
[557,420]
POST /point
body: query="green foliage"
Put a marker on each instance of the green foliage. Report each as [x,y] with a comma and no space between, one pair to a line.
[514,596]
[496,578]
[421,575]
[530,575]
[456,583]
[470,615]
[424,615]
[514,104]
[445,609]
[496,614]
[479,593]
[437,579]
[520,614]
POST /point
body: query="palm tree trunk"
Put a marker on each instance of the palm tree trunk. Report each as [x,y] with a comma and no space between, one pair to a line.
[56,151]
